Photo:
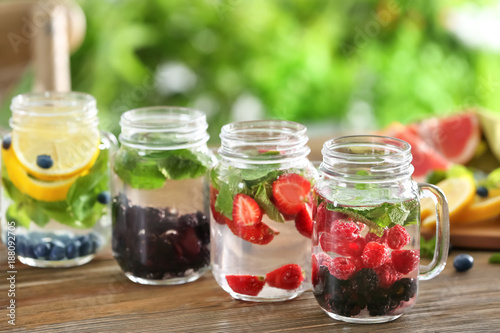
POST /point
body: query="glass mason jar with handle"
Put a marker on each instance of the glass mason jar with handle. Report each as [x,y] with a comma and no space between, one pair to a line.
[55,180]
[161,230]
[262,203]
[366,239]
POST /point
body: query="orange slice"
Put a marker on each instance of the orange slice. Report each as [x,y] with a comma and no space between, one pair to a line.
[481,209]
[460,193]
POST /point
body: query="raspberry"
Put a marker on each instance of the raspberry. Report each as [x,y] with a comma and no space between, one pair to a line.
[387,275]
[375,254]
[405,261]
[330,243]
[397,237]
[371,237]
[342,268]
[345,230]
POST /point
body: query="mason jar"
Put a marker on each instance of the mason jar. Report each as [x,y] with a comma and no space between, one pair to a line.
[160,209]
[262,206]
[366,239]
[55,180]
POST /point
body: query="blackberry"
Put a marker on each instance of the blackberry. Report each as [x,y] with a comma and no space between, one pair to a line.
[346,302]
[188,221]
[403,290]
[203,228]
[380,303]
[365,282]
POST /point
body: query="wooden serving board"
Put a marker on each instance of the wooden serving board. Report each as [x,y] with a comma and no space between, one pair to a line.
[483,235]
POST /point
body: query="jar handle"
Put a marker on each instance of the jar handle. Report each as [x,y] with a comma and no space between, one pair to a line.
[438,262]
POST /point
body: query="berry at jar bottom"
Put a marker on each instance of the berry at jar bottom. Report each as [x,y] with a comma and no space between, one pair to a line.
[158,243]
[362,291]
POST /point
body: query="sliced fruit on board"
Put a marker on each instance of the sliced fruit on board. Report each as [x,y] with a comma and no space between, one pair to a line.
[480,210]
[455,137]
[460,193]
[250,285]
[425,158]
[288,277]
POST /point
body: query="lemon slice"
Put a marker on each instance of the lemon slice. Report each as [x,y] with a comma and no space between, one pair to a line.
[427,208]
[481,209]
[40,190]
[72,151]
[460,193]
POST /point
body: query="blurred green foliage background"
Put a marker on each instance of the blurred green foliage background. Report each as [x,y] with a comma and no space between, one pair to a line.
[333,65]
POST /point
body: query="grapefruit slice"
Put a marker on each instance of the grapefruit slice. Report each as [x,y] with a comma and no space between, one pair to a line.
[425,158]
[455,137]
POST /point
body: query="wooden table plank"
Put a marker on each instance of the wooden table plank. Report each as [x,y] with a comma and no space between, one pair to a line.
[97,298]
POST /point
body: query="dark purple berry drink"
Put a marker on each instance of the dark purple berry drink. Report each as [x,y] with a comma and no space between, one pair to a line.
[160,205]
[158,245]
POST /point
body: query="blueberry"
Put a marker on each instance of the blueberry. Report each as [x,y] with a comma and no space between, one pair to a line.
[73,249]
[482,191]
[57,253]
[28,251]
[104,197]
[44,161]
[87,246]
[41,251]
[6,142]
[20,248]
[463,262]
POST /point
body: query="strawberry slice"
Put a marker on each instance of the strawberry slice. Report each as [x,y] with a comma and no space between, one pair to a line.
[246,211]
[290,192]
[303,221]
[288,277]
[260,234]
[218,217]
[250,285]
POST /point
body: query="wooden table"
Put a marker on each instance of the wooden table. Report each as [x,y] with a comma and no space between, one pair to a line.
[97,298]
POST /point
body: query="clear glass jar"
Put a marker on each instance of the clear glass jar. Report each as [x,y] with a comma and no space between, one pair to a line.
[366,239]
[161,230]
[261,202]
[55,177]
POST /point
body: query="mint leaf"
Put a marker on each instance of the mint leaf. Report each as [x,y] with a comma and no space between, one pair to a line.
[137,171]
[82,195]
[494,259]
[427,247]
[19,216]
[384,216]
[183,164]
[262,196]
[149,171]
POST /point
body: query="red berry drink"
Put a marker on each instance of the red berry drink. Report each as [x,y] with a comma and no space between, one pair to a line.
[366,237]
[366,259]
[262,219]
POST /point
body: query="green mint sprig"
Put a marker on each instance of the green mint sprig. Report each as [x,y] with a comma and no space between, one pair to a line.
[384,216]
[152,169]
[494,259]
[256,183]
